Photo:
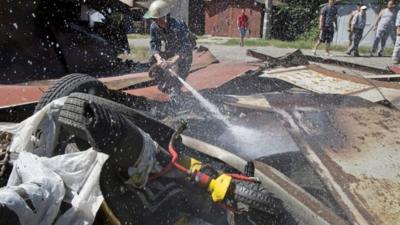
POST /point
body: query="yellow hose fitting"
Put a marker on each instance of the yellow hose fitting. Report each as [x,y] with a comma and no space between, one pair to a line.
[219,187]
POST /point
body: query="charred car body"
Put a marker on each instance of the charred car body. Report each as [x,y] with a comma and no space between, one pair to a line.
[48,39]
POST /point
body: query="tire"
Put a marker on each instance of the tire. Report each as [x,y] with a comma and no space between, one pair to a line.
[75,82]
[256,197]
[72,116]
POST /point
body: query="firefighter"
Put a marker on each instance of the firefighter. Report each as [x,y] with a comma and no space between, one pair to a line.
[170,46]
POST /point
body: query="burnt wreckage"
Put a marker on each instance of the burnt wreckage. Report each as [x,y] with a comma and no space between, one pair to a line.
[308,145]
[48,39]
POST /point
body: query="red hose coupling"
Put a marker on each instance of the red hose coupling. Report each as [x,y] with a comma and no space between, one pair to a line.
[202,179]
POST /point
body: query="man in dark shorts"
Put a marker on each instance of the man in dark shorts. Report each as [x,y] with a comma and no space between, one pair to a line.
[327,26]
[243,25]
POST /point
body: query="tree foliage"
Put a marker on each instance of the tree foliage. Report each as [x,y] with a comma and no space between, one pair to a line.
[297,17]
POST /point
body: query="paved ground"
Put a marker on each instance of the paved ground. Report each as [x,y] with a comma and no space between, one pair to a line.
[237,53]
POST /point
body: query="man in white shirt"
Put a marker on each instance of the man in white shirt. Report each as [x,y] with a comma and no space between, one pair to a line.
[396,50]
[357,29]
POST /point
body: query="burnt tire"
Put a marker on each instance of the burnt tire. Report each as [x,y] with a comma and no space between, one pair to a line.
[75,82]
[72,116]
[256,197]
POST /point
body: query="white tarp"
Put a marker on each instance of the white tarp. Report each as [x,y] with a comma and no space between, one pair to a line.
[25,134]
[73,178]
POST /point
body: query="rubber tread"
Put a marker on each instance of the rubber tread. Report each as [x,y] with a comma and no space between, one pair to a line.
[75,82]
[72,116]
[257,197]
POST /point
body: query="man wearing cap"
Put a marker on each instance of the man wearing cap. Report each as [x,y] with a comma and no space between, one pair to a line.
[357,29]
[351,20]
[176,59]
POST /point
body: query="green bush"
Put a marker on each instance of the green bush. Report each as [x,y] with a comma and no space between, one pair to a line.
[299,16]
[312,33]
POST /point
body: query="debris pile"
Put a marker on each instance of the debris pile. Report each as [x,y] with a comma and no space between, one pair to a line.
[304,145]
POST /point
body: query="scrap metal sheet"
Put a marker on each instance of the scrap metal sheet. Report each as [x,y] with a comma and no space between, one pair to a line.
[211,77]
[314,81]
[364,159]
[319,80]
[120,82]
[352,144]
[16,94]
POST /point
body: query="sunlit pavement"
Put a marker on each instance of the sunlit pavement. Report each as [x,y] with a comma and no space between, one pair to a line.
[237,53]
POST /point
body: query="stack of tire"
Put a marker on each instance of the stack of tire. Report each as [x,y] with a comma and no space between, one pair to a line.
[90,118]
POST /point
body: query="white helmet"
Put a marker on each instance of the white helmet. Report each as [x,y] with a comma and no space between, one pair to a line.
[157,9]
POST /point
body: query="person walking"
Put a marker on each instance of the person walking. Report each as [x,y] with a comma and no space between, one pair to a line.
[383,27]
[396,50]
[243,25]
[327,26]
[357,29]
[350,22]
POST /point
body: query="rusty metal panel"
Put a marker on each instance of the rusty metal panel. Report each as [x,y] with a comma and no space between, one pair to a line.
[352,144]
[120,82]
[221,17]
[369,161]
[257,102]
[202,57]
[16,94]
[362,165]
[394,69]
[319,80]
[211,77]
[314,81]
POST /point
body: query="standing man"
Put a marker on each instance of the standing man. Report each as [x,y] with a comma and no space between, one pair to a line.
[351,20]
[327,26]
[383,27]
[243,25]
[176,59]
[396,50]
[357,29]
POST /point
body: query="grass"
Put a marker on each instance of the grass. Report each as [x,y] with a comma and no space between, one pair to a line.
[138,53]
[298,44]
[137,36]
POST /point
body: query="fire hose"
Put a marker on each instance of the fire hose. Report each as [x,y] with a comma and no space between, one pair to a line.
[218,187]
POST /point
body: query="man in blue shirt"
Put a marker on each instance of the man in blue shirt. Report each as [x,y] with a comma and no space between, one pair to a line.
[327,26]
[170,46]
